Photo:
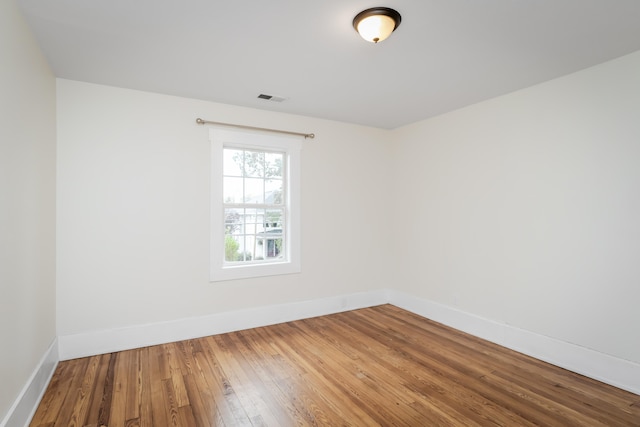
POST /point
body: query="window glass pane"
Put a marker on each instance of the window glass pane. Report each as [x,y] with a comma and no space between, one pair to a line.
[271,238]
[253,221]
[273,191]
[233,221]
[232,192]
[273,219]
[273,248]
[232,162]
[250,249]
[254,163]
[232,246]
[273,165]
[254,190]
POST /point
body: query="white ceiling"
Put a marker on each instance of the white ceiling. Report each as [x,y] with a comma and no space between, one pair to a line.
[446,54]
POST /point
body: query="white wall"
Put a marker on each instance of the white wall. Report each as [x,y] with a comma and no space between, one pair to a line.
[525,209]
[27,206]
[133,210]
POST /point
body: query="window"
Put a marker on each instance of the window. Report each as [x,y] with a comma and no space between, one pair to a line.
[255,226]
[254,192]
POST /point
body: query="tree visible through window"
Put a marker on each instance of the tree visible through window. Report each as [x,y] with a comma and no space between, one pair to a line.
[255,212]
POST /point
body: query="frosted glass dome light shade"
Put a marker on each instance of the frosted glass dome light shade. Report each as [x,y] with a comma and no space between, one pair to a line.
[376,24]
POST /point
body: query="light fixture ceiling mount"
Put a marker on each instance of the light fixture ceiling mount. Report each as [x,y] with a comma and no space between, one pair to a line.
[377,23]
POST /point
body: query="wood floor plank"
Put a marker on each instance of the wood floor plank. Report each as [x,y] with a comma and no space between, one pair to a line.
[81,404]
[298,380]
[231,362]
[210,390]
[117,416]
[158,375]
[170,403]
[98,388]
[211,401]
[281,373]
[143,376]
[134,386]
[378,366]
[258,401]
[201,413]
[278,376]
[68,409]
[47,410]
[186,416]
[222,388]
[175,363]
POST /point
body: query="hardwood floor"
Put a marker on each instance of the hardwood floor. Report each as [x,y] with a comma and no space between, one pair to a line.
[375,366]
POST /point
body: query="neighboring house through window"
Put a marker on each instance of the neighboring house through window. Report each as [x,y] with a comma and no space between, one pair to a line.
[255,215]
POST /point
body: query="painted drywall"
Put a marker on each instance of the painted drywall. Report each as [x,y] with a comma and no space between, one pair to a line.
[133,210]
[524,209]
[27,206]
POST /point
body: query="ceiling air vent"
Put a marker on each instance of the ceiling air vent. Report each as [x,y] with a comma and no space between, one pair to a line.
[272,98]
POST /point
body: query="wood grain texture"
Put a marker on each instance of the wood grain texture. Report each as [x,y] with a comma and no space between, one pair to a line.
[375,366]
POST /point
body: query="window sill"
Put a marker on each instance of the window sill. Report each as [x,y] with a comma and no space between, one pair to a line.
[253,271]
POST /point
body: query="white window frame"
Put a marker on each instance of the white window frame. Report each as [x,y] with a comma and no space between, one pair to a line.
[291,146]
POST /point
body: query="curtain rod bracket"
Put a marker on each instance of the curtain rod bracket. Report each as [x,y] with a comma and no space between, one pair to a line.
[208,122]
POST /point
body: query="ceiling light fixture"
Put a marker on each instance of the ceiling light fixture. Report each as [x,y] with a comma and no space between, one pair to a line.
[376,24]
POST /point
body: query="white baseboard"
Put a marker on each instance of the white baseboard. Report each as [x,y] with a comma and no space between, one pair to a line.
[608,369]
[24,407]
[107,341]
[618,372]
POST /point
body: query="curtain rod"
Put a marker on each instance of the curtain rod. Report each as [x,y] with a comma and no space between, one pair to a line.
[208,122]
